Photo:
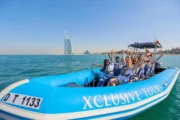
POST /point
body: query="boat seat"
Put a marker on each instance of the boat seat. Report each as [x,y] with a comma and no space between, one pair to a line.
[158,70]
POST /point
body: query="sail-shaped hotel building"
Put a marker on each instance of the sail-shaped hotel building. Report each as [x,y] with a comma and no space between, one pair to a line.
[67,45]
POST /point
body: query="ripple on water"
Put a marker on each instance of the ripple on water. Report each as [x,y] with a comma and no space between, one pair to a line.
[173,110]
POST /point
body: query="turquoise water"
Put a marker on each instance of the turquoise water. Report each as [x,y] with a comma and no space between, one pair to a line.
[14,68]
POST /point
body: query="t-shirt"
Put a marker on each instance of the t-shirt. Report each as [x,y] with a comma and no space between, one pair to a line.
[118,65]
[129,71]
[122,63]
[109,69]
[125,71]
[124,76]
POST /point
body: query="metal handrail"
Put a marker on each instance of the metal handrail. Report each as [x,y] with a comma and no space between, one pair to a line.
[166,83]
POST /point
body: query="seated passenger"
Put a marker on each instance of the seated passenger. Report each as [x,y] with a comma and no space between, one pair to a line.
[117,63]
[140,74]
[152,68]
[149,65]
[108,67]
[147,51]
[126,73]
[143,68]
[135,61]
[137,71]
[139,56]
[107,70]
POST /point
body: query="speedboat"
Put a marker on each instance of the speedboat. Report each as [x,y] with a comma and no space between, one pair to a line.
[76,96]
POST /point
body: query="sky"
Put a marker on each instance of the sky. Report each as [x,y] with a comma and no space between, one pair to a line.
[37,26]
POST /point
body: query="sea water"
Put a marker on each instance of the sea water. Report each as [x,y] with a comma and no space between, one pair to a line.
[18,67]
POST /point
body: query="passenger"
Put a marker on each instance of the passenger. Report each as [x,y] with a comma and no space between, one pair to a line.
[129,56]
[117,66]
[149,65]
[107,67]
[106,62]
[139,56]
[117,63]
[139,72]
[152,68]
[147,51]
[126,73]
[154,61]
[122,62]
[107,70]
[135,61]
[140,69]
[143,68]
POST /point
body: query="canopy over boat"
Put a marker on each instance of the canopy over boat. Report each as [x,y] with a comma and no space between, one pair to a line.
[148,45]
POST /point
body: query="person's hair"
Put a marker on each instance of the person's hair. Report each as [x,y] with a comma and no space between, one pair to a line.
[104,66]
[117,57]
[135,59]
[139,58]
[147,51]
[129,59]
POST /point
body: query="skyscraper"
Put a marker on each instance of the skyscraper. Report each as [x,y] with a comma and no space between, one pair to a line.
[67,45]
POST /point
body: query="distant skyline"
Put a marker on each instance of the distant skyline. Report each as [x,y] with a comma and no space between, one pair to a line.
[37,26]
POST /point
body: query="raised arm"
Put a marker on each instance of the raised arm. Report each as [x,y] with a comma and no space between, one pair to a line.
[124,57]
[154,61]
[111,56]
[131,54]
[138,64]
[97,65]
